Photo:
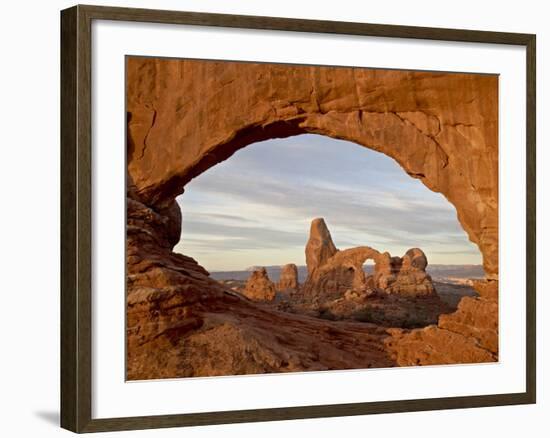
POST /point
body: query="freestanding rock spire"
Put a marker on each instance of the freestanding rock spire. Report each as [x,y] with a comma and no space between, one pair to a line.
[288,281]
[319,247]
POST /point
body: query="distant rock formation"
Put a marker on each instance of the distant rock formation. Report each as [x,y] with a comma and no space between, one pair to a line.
[319,247]
[288,280]
[404,275]
[259,287]
[342,271]
[331,276]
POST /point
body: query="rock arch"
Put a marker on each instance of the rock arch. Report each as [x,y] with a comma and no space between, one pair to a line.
[185,116]
[331,271]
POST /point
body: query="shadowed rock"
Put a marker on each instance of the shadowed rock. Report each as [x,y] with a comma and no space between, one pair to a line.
[288,280]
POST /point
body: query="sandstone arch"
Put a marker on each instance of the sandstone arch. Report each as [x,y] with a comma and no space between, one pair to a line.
[333,272]
[343,270]
[185,116]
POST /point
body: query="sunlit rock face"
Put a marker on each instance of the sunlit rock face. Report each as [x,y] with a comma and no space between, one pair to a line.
[406,275]
[320,246]
[259,287]
[185,116]
[333,272]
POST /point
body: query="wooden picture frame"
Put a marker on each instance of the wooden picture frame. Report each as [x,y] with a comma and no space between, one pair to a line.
[76,172]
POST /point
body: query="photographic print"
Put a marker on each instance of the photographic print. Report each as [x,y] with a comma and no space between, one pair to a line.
[292,218]
[341,225]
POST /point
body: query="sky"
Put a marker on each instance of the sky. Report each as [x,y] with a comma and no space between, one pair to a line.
[255,208]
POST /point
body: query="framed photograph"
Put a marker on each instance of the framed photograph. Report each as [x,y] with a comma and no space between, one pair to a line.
[269,218]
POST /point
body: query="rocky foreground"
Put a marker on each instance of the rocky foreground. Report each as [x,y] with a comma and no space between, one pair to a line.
[181,323]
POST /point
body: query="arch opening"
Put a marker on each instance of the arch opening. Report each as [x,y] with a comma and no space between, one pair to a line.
[306,176]
[253,210]
[426,167]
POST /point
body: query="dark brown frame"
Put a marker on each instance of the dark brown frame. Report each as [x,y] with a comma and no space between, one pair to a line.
[76,308]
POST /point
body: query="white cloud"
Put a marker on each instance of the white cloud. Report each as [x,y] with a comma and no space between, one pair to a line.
[255,208]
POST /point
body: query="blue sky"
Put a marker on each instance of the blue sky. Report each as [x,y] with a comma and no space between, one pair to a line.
[255,208]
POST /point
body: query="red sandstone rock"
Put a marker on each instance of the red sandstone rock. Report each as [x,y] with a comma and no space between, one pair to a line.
[259,287]
[435,346]
[477,317]
[342,271]
[331,276]
[319,247]
[469,335]
[408,275]
[187,115]
[184,116]
[288,280]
